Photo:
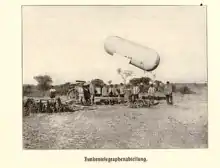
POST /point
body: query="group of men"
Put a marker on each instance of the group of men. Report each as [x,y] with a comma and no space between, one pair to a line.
[137,91]
[87,92]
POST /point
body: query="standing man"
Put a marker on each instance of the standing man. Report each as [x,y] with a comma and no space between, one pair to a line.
[151,93]
[168,93]
[122,90]
[86,93]
[136,91]
[114,90]
[110,91]
[92,92]
[141,93]
[104,91]
[81,93]
[121,93]
[52,92]
[129,93]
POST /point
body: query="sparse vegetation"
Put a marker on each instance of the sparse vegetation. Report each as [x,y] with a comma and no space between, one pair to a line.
[125,74]
[44,82]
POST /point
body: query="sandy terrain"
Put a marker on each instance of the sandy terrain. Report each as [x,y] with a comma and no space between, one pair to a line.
[183,125]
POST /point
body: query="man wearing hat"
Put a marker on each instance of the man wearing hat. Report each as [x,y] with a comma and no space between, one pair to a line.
[80,93]
[92,92]
[105,91]
[86,92]
[141,93]
[168,90]
[52,92]
[135,92]
[151,93]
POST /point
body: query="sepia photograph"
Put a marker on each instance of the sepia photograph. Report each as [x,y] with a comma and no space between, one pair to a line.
[114,77]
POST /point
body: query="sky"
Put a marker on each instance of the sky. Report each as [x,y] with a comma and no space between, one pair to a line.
[67,42]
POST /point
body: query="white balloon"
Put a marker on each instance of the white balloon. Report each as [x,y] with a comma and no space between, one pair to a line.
[141,57]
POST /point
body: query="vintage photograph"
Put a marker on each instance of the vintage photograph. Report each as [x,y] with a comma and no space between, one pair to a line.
[114,77]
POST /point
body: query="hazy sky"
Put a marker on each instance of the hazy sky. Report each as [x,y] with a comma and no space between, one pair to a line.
[67,42]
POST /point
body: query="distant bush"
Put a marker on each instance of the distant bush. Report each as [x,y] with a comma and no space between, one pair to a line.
[34,91]
[27,89]
[144,80]
[62,89]
[185,90]
[44,82]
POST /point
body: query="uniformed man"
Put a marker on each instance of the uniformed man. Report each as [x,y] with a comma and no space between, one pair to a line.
[135,92]
[92,92]
[105,91]
[52,92]
[151,93]
[80,93]
[168,93]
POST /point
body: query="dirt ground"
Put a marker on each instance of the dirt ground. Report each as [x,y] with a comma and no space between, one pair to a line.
[183,125]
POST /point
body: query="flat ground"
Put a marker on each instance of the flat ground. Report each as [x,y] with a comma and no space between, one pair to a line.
[183,125]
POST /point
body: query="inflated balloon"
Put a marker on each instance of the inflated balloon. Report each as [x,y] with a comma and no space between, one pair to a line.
[141,57]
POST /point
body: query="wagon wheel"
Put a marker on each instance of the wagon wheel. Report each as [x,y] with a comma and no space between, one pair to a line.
[72,94]
[141,103]
[135,104]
